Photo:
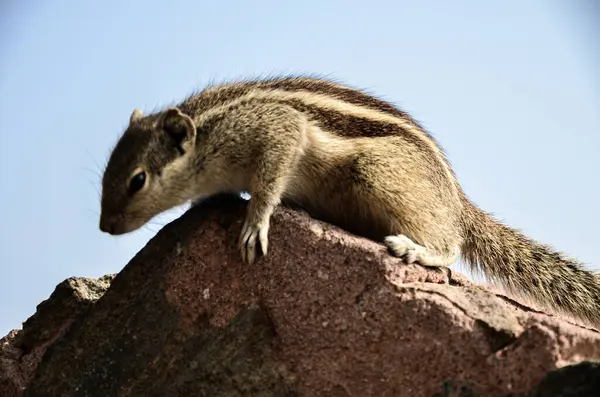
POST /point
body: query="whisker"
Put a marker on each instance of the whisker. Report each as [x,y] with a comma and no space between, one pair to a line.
[99,171]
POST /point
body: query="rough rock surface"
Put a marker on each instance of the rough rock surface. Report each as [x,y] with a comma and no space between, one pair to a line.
[22,350]
[324,314]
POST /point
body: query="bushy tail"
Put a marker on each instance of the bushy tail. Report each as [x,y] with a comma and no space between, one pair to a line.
[526,267]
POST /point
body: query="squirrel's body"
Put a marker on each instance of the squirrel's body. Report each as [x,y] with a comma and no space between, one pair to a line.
[343,156]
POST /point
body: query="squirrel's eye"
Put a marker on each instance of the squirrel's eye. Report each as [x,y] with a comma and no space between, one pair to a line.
[137,182]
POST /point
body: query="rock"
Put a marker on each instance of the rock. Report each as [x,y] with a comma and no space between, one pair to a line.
[12,377]
[69,299]
[575,380]
[324,314]
[22,350]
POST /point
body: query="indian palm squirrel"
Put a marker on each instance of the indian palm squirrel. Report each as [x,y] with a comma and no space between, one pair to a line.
[347,158]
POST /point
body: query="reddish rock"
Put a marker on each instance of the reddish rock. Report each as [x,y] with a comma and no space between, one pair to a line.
[22,350]
[12,379]
[324,314]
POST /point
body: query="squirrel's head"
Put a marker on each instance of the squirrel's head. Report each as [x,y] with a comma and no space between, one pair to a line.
[148,170]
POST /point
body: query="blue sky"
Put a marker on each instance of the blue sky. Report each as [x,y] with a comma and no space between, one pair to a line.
[510,88]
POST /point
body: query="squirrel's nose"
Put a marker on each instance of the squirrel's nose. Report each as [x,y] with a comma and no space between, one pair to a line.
[106,226]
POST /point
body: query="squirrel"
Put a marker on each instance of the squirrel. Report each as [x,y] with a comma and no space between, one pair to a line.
[344,156]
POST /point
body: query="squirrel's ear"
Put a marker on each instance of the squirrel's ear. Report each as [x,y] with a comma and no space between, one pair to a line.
[136,115]
[179,127]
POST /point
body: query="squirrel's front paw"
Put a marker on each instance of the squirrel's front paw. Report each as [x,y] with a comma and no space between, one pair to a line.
[251,233]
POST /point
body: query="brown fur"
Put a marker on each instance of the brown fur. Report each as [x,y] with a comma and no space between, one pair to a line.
[344,156]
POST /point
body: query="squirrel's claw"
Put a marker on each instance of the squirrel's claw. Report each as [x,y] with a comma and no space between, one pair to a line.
[251,233]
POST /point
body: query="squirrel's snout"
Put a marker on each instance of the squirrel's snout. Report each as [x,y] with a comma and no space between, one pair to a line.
[107,226]
[116,225]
